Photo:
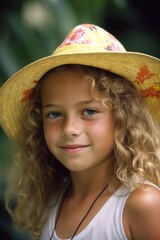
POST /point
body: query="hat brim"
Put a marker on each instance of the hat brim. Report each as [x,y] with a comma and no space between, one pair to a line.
[125,64]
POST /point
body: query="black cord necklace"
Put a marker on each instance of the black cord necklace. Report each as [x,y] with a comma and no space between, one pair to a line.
[82,218]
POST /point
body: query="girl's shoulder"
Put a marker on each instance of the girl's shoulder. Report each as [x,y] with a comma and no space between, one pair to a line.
[143,198]
[145,195]
[142,213]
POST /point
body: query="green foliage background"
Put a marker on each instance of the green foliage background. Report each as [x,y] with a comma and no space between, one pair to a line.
[32,29]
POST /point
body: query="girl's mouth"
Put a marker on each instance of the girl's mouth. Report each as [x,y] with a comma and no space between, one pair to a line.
[74,148]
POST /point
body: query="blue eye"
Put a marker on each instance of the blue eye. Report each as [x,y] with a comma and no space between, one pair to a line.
[89,112]
[54,115]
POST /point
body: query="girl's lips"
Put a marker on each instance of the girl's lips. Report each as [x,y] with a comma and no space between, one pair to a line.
[74,148]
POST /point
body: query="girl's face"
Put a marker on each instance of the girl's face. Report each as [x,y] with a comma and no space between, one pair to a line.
[78,128]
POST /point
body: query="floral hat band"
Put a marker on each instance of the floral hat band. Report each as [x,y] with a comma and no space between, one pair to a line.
[86,44]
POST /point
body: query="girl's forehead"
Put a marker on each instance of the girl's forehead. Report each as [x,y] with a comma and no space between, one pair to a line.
[68,82]
[63,74]
[69,78]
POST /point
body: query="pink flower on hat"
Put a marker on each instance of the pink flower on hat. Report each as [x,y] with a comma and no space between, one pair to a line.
[113,46]
[77,36]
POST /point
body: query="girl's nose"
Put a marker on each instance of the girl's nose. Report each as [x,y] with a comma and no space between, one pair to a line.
[71,127]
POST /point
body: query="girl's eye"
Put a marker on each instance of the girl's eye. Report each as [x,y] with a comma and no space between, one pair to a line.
[89,112]
[54,115]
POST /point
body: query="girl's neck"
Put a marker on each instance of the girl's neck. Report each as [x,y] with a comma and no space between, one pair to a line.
[90,182]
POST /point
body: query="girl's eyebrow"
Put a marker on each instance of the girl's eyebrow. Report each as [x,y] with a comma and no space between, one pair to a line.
[79,103]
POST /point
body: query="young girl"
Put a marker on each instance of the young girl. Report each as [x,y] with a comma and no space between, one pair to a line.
[86,122]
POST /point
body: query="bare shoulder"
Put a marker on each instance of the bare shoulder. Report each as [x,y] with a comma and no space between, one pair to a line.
[142,214]
[145,195]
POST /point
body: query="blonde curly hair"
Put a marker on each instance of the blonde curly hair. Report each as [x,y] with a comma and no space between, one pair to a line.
[38,176]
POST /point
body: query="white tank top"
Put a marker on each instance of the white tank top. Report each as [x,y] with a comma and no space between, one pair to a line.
[107,224]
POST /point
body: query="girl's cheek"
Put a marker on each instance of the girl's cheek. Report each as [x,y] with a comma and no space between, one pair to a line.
[50,131]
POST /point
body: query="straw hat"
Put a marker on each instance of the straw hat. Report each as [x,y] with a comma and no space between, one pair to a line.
[86,44]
